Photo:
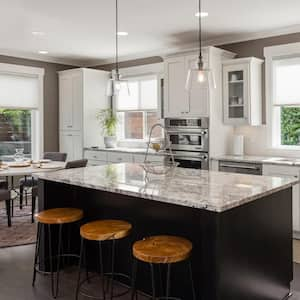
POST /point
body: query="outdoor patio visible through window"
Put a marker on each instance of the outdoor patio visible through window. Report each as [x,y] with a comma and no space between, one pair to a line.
[15,132]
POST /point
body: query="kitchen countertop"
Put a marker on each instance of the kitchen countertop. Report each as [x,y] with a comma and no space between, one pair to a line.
[209,190]
[124,150]
[260,159]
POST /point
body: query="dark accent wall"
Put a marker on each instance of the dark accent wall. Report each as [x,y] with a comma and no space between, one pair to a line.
[51,136]
[256,47]
[131,63]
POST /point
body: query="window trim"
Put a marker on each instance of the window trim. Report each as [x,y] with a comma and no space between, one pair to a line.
[272,54]
[37,119]
[131,73]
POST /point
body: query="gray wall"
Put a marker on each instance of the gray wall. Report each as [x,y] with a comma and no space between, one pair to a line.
[51,137]
[131,63]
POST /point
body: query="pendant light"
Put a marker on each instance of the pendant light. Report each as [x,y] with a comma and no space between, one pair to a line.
[116,83]
[198,73]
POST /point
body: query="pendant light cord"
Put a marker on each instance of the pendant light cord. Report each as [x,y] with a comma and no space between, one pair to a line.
[117,41]
[200,34]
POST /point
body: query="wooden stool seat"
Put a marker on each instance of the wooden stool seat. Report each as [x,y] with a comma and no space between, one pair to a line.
[162,249]
[59,215]
[103,230]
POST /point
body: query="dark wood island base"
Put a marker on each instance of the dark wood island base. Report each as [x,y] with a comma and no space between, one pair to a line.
[239,254]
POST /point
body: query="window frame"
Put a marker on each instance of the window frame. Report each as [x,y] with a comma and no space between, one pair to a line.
[273,54]
[37,114]
[137,73]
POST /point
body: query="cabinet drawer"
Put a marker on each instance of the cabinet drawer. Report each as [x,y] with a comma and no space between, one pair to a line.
[278,170]
[96,155]
[93,162]
[140,158]
[119,157]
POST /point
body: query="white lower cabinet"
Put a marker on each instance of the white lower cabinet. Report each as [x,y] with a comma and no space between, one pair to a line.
[140,158]
[276,170]
[118,157]
[95,158]
[71,143]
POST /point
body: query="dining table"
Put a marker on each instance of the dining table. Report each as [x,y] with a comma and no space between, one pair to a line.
[11,170]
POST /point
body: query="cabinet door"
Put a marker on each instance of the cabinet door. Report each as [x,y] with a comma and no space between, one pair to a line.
[71,143]
[176,99]
[70,102]
[198,96]
[273,170]
[65,103]
[236,93]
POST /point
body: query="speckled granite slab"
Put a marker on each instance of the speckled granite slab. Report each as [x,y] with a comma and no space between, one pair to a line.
[214,191]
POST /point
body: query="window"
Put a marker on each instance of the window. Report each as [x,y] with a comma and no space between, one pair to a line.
[21,111]
[15,132]
[138,111]
[286,102]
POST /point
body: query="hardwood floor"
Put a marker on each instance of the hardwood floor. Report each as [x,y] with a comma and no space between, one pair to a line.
[16,275]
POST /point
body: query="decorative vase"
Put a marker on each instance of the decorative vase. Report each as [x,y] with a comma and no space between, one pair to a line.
[19,155]
[110,141]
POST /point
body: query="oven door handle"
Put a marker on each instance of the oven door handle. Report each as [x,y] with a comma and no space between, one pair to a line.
[195,158]
[183,132]
[240,167]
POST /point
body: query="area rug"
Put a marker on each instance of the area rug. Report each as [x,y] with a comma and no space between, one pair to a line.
[22,231]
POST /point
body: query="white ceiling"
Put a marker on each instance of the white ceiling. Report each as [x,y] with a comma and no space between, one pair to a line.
[82,31]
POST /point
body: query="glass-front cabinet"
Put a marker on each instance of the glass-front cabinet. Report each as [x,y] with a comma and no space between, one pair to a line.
[242,92]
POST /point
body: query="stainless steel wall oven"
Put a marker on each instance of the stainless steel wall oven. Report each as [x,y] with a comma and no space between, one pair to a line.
[189,141]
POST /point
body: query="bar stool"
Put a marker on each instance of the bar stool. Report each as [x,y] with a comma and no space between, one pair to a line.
[50,217]
[102,231]
[162,250]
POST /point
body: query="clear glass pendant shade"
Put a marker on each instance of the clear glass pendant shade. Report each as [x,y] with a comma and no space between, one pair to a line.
[116,84]
[202,77]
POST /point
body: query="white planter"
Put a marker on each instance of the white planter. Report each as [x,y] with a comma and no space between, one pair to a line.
[110,141]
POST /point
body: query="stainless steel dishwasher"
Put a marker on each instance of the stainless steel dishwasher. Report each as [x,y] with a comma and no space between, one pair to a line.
[240,167]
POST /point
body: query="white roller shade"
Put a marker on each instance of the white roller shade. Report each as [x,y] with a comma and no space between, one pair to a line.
[17,91]
[143,94]
[287,82]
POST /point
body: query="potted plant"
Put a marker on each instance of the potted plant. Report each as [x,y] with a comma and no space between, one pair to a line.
[108,122]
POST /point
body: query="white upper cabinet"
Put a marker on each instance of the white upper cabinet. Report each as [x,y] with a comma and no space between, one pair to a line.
[178,101]
[70,104]
[242,91]
[82,92]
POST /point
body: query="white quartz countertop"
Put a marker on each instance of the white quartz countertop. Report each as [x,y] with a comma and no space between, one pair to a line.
[213,191]
[260,159]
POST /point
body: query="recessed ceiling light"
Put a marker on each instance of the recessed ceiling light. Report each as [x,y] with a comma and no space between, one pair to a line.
[203,14]
[38,33]
[43,52]
[122,33]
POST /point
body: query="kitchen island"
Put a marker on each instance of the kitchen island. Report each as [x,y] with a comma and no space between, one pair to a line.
[240,225]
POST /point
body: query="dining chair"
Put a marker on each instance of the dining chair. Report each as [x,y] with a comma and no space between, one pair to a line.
[81,163]
[29,181]
[5,196]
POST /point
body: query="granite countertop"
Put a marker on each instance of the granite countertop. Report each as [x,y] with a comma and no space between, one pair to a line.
[260,159]
[213,191]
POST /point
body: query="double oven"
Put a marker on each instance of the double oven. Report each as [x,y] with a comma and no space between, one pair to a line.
[189,141]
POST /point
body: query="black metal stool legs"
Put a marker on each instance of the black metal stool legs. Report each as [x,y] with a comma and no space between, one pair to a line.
[133,279]
[168,282]
[79,268]
[102,270]
[192,280]
[36,254]
[58,260]
[153,281]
